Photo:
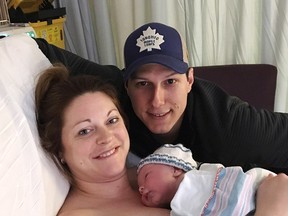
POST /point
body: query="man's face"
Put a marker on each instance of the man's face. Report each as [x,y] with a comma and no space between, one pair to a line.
[159,97]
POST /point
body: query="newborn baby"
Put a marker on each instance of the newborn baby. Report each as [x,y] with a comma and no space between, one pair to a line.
[170,177]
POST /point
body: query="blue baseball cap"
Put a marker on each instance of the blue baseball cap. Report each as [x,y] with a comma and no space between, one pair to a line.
[155,43]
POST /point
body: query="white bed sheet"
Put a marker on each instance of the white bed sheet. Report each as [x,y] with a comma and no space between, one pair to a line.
[30,183]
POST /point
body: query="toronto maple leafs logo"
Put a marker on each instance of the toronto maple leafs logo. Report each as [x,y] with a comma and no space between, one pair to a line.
[150,40]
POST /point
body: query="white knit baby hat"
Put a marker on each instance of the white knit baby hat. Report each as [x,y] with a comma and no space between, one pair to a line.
[173,155]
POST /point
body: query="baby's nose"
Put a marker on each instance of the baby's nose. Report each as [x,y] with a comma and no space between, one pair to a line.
[142,190]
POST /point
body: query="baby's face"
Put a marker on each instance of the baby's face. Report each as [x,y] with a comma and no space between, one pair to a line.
[157,185]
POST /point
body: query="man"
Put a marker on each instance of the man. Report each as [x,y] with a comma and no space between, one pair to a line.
[170,105]
[167,104]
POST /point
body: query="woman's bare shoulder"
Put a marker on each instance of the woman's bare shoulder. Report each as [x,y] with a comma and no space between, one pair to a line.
[81,212]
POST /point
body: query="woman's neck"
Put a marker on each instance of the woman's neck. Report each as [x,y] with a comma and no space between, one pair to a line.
[106,189]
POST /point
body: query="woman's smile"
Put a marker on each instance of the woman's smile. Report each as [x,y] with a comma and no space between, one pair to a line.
[107,153]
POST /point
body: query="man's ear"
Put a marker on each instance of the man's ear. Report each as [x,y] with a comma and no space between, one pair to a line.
[190,78]
[126,86]
[177,172]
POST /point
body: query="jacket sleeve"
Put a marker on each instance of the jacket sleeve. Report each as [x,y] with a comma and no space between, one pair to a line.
[235,133]
[78,65]
[263,134]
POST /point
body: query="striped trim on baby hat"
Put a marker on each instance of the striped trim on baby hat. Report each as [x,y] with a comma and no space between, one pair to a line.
[173,155]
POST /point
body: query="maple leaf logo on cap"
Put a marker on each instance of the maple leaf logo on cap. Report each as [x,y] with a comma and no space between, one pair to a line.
[150,40]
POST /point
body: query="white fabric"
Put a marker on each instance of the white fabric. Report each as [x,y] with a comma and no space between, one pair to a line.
[216,32]
[30,184]
[198,186]
[190,197]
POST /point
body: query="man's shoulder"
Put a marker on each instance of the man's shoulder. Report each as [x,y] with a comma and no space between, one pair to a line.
[201,86]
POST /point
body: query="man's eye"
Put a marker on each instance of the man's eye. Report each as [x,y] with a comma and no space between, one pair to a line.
[171,81]
[142,83]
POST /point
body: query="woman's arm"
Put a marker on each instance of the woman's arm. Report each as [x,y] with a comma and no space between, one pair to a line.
[272,196]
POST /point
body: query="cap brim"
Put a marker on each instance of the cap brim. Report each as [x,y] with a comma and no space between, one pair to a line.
[168,61]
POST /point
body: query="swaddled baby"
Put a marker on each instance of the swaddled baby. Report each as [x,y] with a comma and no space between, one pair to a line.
[170,177]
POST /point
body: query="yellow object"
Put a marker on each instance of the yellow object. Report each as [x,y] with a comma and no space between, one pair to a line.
[53,33]
[27,6]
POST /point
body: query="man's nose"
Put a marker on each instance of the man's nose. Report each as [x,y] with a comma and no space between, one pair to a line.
[158,97]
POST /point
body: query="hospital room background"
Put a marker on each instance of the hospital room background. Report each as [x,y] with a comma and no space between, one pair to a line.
[216,32]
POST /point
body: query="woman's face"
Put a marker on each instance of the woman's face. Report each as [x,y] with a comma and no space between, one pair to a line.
[95,139]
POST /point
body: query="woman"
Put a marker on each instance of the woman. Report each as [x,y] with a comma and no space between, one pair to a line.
[82,129]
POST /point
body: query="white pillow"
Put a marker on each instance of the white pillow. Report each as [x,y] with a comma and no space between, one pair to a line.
[30,184]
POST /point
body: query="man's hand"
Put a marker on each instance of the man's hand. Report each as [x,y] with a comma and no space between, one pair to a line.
[272,196]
